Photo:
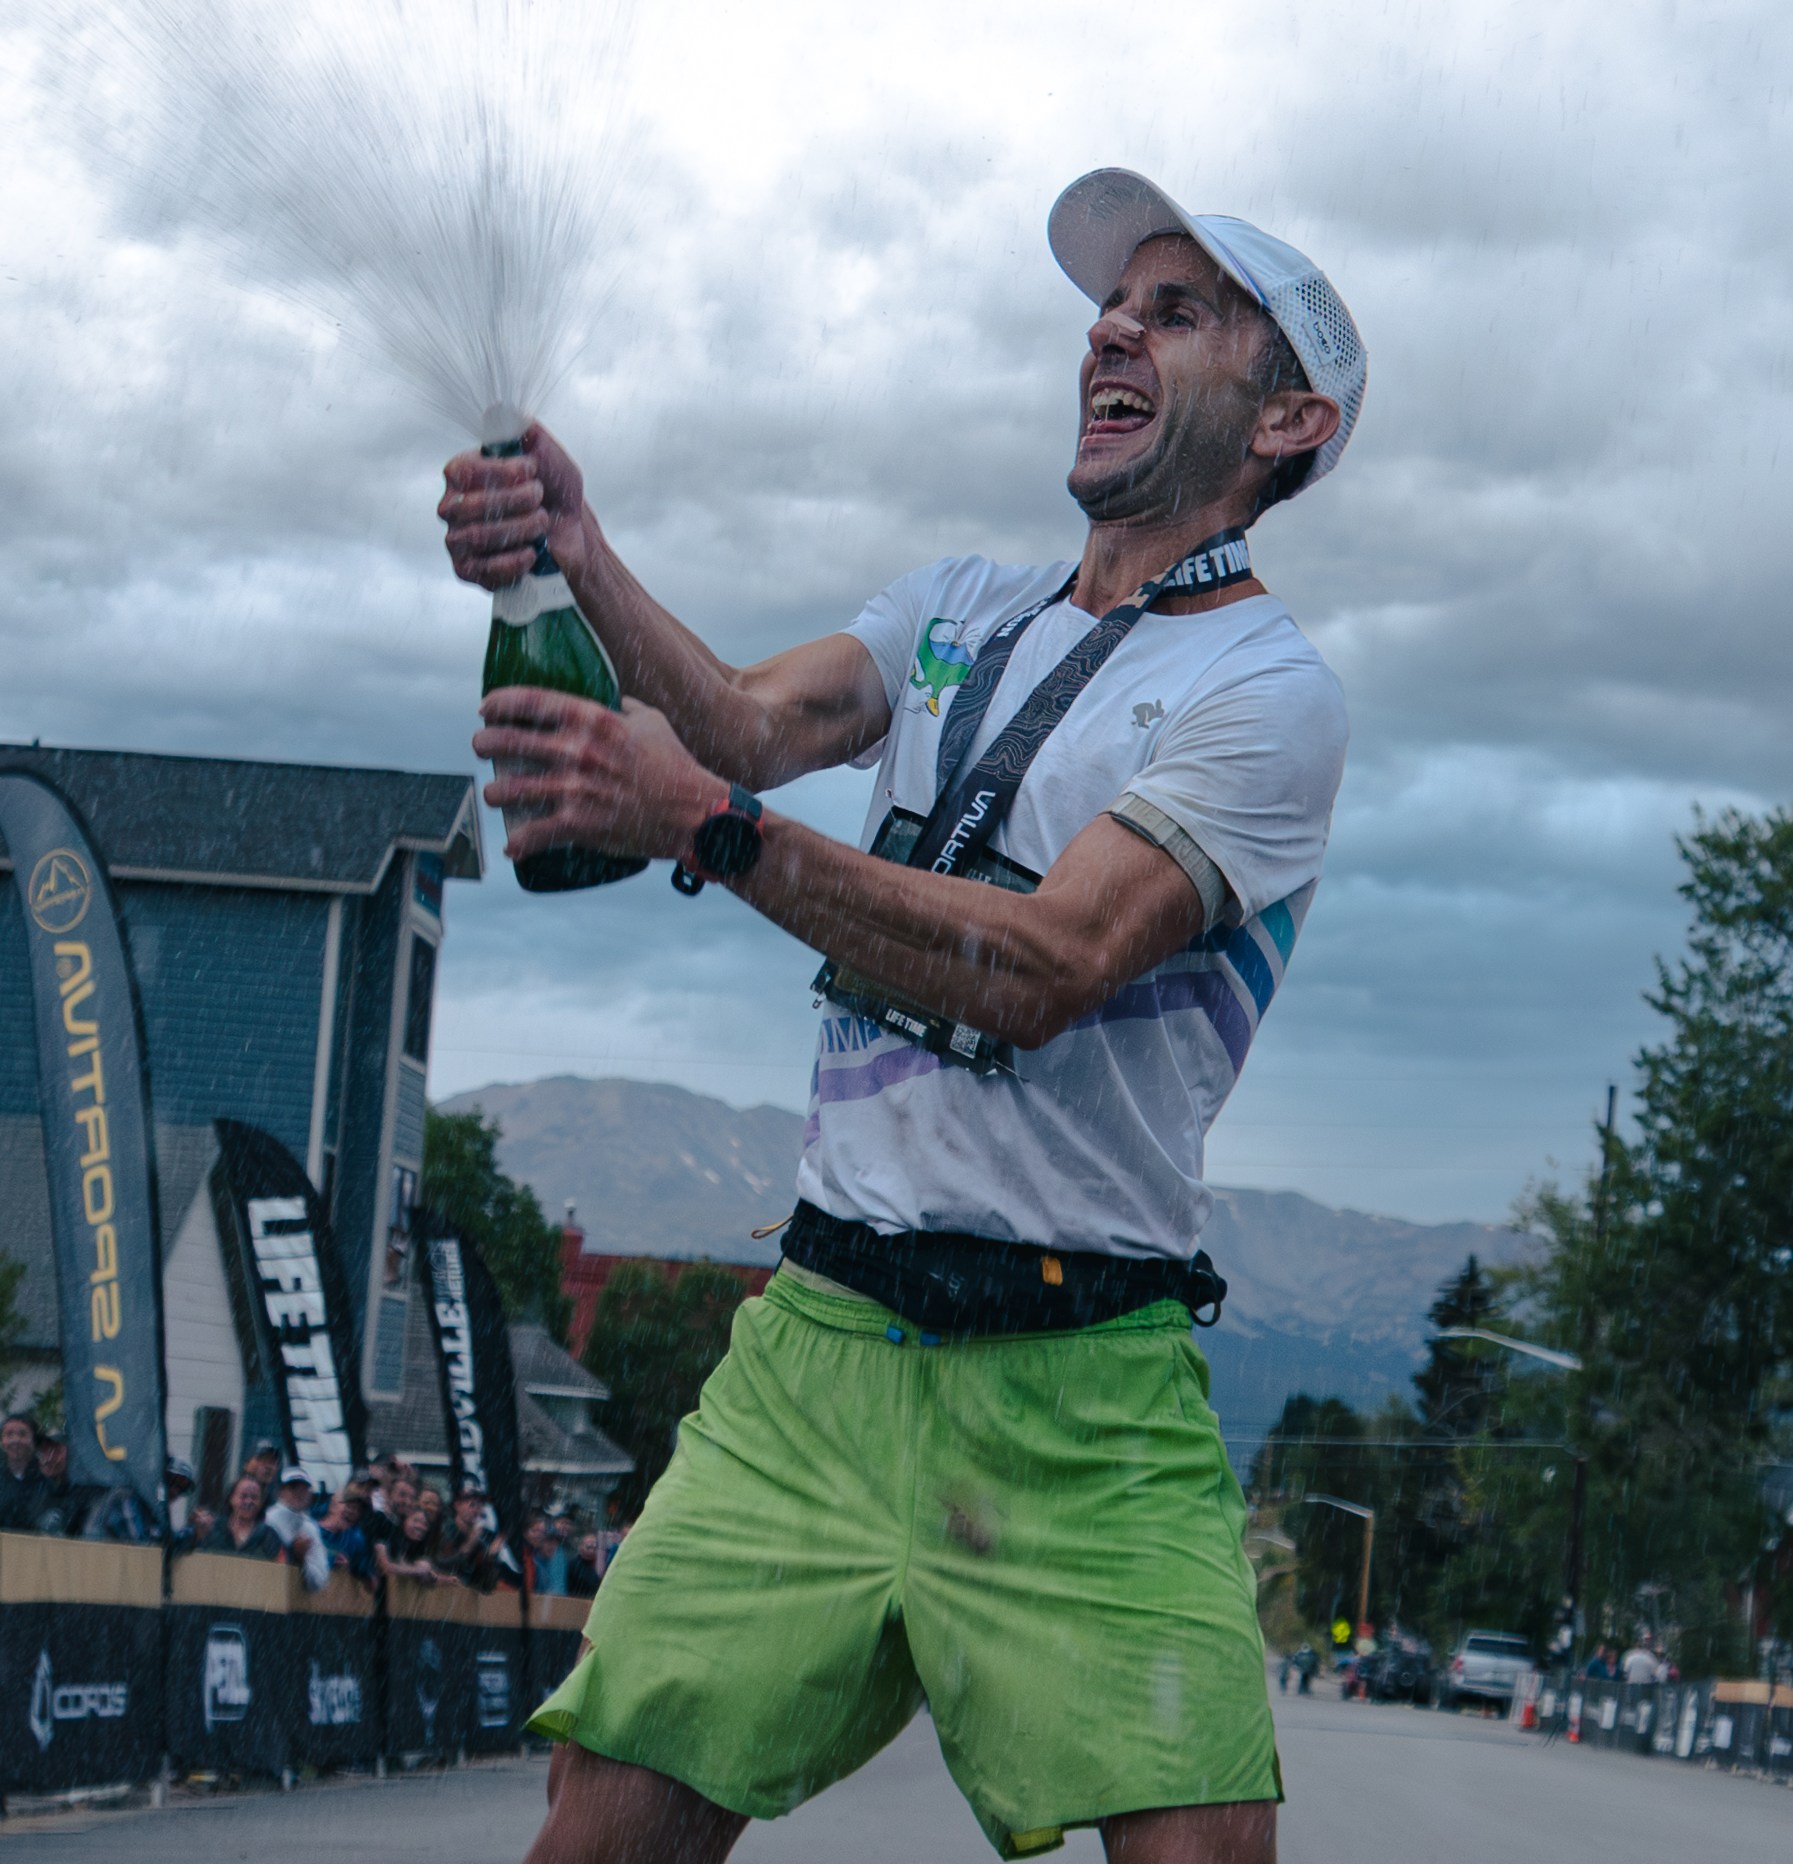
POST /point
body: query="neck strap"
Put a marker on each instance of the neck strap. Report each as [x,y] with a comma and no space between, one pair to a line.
[970,805]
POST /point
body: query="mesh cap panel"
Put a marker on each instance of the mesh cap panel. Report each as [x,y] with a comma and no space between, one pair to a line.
[1100,220]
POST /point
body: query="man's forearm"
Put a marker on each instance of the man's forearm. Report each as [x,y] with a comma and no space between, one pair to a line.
[1018,966]
[661,662]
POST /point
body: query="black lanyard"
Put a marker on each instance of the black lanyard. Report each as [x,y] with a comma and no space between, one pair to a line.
[970,807]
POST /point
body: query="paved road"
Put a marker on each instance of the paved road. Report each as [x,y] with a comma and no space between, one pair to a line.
[1367,1785]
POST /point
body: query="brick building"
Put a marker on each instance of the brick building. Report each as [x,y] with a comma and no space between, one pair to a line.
[585,1272]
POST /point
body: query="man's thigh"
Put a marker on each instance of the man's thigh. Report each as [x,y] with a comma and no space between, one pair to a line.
[1236,1834]
[744,1640]
[606,1812]
[1079,1605]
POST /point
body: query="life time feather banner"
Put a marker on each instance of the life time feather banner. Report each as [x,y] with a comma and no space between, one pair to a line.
[299,1296]
[93,1089]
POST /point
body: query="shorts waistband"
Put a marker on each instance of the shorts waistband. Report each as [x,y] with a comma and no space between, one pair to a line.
[853,1313]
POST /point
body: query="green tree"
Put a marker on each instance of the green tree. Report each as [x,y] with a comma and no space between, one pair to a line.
[498,1216]
[1670,1273]
[654,1341]
[1461,1384]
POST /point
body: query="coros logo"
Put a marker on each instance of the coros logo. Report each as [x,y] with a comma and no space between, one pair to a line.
[60,891]
[225,1691]
[52,1702]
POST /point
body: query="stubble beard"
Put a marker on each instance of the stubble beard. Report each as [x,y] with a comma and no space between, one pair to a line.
[1194,460]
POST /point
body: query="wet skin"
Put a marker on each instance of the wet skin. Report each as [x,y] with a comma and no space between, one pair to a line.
[1174,444]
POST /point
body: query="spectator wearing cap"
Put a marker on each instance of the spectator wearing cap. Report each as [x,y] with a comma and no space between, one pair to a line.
[263,1463]
[342,1534]
[243,1531]
[180,1482]
[299,1534]
[64,1506]
[21,1481]
[470,1546]
[545,1558]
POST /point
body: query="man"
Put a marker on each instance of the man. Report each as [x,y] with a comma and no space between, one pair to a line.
[22,1496]
[263,1463]
[545,1557]
[341,1529]
[470,1547]
[585,1571]
[960,1449]
[290,1519]
[1640,1664]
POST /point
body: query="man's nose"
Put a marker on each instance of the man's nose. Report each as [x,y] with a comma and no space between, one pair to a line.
[1115,330]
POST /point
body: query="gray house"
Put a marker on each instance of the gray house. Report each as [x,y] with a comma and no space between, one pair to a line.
[284,922]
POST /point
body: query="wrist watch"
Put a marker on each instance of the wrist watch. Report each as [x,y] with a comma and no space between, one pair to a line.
[726,843]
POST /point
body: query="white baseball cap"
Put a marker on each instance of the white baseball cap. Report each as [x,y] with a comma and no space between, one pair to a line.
[1099,221]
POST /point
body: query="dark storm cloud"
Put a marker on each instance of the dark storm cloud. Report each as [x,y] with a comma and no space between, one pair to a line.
[1552,570]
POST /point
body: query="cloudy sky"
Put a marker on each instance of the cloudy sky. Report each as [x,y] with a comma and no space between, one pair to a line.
[825,342]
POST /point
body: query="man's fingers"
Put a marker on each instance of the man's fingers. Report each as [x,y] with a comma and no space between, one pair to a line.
[496,572]
[468,505]
[481,537]
[471,470]
[537,706]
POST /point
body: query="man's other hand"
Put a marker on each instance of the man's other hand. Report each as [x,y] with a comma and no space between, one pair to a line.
[621,782]
[495,509]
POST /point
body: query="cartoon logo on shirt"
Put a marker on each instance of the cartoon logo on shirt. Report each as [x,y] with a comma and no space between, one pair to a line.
[1146,716]
[940,662]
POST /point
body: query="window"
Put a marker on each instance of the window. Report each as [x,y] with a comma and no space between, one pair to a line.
[421,995]
[398,1226]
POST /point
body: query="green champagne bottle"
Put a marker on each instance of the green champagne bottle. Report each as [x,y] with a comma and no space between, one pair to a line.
[540,638]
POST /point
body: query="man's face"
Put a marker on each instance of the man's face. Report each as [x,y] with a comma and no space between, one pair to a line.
[1168,399]
[296,1496]
[588,1550]
[52,1459]
[17,1443]
[537,1534]
[261,1468]
[403,1498]
[466,1511]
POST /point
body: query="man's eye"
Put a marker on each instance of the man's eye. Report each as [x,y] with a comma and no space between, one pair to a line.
[1180,316]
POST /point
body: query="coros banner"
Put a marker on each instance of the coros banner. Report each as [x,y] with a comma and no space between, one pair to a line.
[93,1090]
[299,1299]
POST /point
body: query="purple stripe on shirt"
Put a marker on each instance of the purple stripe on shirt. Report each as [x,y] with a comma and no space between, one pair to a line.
[872,1077]
[1207,991]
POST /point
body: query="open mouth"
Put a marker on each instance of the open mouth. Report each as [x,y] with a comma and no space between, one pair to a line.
[1114,410]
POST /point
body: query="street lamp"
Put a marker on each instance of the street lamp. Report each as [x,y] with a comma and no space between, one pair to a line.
[1368,1517]
[1564,1362]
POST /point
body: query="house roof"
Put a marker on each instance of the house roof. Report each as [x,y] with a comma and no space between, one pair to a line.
[223,821]
[413,1424]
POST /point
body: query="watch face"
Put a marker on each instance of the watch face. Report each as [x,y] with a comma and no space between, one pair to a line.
[727,844]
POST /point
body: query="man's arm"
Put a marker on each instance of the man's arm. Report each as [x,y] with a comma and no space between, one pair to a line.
[805,709]
[1019,966]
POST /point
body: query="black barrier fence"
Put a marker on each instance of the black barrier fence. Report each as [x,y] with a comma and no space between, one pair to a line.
[1744,1725]
[234,1668]
[80,1663]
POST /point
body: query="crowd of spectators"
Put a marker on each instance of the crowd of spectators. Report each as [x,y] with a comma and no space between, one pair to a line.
[383,1522]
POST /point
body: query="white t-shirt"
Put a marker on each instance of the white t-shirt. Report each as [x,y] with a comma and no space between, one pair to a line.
[1224,729]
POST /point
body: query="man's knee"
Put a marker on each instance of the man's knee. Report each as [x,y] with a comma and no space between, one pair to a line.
[603,1811]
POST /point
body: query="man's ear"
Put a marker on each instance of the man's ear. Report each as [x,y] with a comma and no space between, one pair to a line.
[1294,421]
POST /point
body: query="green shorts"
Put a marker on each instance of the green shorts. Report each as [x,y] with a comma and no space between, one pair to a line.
[1039,1537]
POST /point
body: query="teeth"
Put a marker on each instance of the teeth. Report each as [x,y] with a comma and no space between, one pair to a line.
[1108,401]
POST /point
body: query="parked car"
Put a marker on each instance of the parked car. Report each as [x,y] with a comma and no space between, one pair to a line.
[1485,1667]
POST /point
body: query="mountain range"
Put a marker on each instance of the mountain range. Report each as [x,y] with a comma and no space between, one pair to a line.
[1321,1300]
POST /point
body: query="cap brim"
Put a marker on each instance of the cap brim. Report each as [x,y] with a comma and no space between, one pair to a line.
[1102,218]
